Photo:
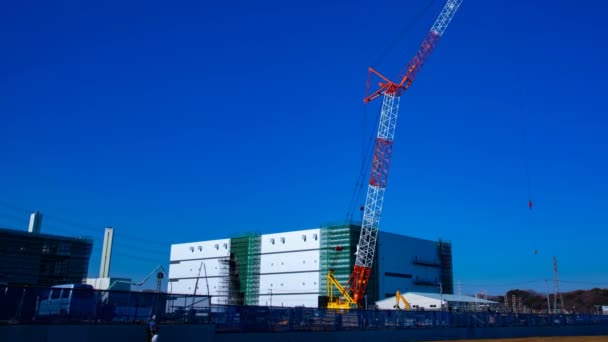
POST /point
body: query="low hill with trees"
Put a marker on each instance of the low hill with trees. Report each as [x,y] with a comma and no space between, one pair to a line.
[579,301]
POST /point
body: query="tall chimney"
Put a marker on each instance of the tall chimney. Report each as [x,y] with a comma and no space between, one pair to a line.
[106,253]
[35,222]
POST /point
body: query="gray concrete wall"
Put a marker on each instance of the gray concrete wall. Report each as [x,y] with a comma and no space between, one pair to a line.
[135,333]
[102,333]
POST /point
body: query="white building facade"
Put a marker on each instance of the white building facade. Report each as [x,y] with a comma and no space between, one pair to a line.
[196,268]
[289,269]
[436,302]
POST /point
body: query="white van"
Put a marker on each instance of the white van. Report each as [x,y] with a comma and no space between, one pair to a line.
[69,300]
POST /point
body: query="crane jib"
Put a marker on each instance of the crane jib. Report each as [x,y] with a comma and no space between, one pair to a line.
[391,93]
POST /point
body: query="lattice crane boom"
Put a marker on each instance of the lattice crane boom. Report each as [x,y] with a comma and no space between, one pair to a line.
[391,92]
[426,48]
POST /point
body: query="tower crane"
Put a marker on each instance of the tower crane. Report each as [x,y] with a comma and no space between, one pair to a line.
[353,293]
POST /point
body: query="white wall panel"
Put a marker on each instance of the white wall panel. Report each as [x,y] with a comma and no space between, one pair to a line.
[291,241]
[186,286]
[187,269]
[201,249]
[289,283]
[290,262]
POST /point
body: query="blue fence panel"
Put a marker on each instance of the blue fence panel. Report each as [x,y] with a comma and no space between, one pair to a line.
[38,305]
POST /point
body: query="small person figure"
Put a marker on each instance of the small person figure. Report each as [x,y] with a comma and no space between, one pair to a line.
[152,329]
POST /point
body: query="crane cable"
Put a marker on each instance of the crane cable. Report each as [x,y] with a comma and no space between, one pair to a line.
[400,37]
[524,148]
[366,153]
[366,144]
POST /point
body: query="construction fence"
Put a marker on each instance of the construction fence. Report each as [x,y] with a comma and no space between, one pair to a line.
[63,305]
[274,319]
[78,304]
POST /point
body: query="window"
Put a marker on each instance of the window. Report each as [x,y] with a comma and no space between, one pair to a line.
[225,246]
[315,236]
[397,275]
[282,240]
[433,305]
[304,237]
[217,246]
[192,249]
[200,248]
[272,241]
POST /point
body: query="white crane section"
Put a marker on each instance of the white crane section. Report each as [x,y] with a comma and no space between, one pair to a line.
[446,15]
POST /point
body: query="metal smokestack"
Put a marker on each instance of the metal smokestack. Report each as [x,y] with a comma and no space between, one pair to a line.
[106,253]
[35,222]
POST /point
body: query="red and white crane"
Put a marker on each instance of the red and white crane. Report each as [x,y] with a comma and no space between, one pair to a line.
[391,93]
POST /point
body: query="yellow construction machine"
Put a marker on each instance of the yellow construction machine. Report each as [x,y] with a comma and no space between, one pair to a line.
[343,301]
[399,298]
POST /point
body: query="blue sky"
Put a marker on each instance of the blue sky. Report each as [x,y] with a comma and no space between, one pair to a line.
[198,120]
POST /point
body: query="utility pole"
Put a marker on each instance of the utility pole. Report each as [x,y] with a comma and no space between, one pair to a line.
[270,297]
[548,301]
[556,291]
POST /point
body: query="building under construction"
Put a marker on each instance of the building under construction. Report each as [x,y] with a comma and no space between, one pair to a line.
[290,268]
[33,258]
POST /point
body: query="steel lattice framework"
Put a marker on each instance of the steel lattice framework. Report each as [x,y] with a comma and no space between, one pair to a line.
[391,92]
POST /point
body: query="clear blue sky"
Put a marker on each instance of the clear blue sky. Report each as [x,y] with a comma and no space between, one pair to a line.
[184,121]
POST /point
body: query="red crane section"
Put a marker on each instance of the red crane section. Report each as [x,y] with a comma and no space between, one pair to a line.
[391,93]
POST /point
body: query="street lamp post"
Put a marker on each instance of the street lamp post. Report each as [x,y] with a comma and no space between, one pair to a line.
[441,296]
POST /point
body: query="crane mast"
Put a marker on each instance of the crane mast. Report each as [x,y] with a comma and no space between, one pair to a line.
[391,93]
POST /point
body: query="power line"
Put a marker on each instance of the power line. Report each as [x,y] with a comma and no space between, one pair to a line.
[505,284]
[404,31]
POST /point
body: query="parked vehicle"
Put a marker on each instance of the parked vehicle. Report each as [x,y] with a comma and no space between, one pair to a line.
[69,301]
